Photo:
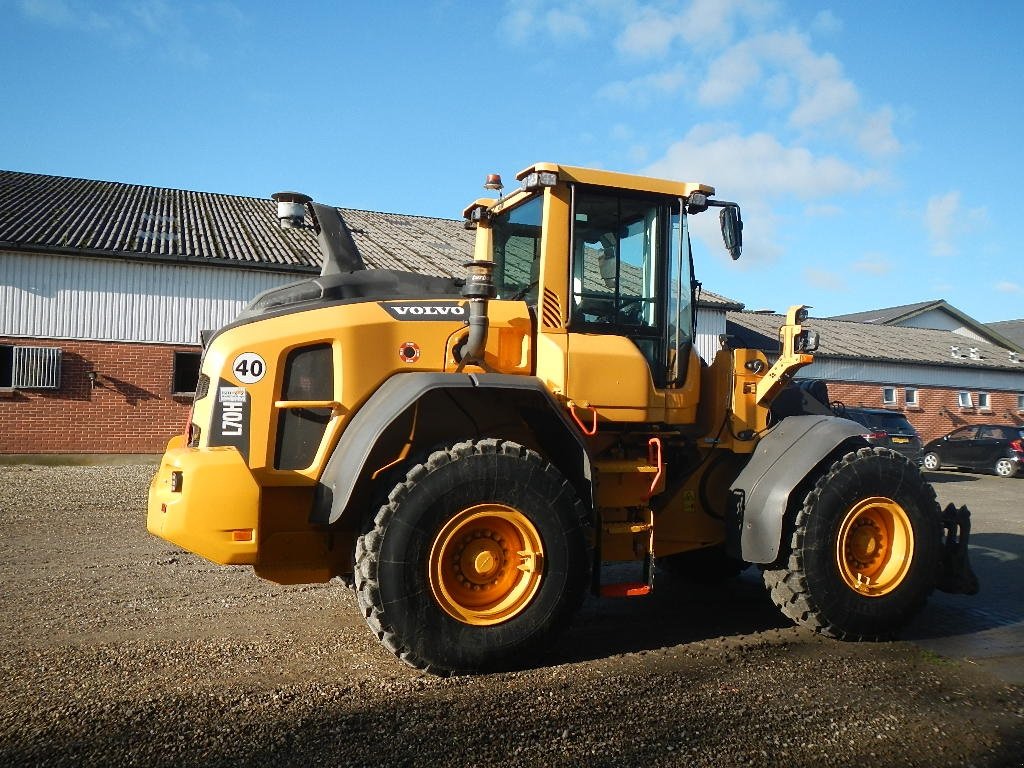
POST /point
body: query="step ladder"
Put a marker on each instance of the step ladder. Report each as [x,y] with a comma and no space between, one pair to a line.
[643,533]
[630,484]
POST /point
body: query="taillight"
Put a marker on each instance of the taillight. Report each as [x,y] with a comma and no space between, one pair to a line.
[1017,445]
[878,435]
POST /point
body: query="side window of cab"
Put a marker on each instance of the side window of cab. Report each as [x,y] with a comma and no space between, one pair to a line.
[619,257]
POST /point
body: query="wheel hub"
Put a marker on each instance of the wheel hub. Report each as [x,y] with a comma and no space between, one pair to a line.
[485,564]
[875,546]
[479,559]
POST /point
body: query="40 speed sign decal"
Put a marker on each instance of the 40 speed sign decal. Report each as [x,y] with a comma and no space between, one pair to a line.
[249,367]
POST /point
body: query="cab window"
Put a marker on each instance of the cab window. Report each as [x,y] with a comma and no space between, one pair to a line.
[516,250]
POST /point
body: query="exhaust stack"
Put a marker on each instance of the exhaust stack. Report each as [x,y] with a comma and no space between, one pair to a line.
[338,249]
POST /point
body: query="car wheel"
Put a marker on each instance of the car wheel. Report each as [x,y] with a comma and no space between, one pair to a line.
[931,461]
[1005,468]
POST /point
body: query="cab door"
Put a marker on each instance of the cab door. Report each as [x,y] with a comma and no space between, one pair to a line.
[620,329]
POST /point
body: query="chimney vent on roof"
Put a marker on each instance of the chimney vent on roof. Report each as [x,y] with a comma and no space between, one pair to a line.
[955,351]
[1014,357]
[974,353]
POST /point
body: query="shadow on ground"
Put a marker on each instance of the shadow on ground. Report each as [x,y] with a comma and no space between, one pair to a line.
[677,612]
[998,561]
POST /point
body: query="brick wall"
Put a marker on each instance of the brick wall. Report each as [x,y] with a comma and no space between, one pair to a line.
[131,409]
[937,411]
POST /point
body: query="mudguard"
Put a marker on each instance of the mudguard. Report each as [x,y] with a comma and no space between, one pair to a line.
[347,464]
[783,458]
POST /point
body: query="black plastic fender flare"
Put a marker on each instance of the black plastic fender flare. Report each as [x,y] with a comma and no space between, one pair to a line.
[348,460]
[784,456]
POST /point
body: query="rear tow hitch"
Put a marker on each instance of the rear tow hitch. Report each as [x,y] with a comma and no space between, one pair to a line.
[957,578]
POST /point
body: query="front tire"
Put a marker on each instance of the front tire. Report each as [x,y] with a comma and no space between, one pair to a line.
[865,549]
[931,461]
[476,559]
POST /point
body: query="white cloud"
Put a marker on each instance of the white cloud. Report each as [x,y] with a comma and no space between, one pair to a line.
[755,170]
[822,211]
[813,87]
[938,219]
[872,264]
[563,25]
[1006,286]
[713,22]
[55,12]
[826,22]
[518,24]
[946,222]
[649,35]
[641,90]
[650,31]
[876,136]
[729,76]
[155,24]
[758,164]
[824,280]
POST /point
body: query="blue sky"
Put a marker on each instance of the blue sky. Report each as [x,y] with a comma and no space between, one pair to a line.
[875,146]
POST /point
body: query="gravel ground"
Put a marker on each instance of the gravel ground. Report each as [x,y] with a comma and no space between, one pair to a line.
[121,649]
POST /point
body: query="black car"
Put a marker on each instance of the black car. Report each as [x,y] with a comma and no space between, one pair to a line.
[997,448]
[886,428]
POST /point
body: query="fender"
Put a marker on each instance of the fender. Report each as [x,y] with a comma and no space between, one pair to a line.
[783,458]
[348,462]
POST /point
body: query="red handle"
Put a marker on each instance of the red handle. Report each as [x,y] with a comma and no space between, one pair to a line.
[593,427]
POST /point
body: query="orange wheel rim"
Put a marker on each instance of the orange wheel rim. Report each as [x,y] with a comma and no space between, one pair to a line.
[875,546]
[486,564]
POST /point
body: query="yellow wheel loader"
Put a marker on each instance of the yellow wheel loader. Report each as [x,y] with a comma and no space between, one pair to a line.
[473,452]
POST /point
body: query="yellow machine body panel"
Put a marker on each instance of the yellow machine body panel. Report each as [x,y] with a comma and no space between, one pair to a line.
[221,489]
[218,517]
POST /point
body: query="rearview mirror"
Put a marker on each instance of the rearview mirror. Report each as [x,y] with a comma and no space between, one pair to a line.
[732,230]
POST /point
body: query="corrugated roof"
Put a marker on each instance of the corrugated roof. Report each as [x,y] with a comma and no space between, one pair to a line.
[60,214]
[886,343]
[889,314]
[1011,329]
[717,301]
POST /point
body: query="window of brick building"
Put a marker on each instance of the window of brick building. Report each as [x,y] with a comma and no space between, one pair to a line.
[910,396]
[24,367]
[964,400]
[983,401]
[1020,402]
[889,395]
[186,372]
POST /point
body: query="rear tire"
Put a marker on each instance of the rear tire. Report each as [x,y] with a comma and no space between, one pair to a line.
[931,461]
[479,555]
[865,549]
[1005,468]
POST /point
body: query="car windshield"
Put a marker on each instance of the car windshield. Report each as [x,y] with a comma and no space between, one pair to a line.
[893,423]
